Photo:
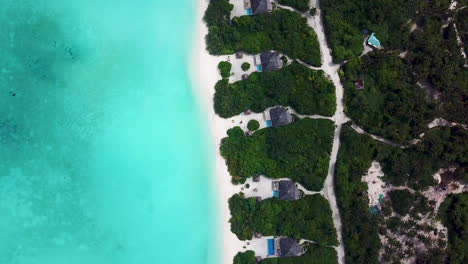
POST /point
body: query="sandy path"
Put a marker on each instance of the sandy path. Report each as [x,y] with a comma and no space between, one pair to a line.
[331,69]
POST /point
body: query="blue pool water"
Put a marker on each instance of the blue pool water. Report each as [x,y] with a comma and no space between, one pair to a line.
[268,123]
[249,11]
[259,68]
[105,157]
[271,247]
[275,193]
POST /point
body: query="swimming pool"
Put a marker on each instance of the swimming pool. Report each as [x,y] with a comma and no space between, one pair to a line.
[249,11]
[271,247]
[259,68]
[268,123]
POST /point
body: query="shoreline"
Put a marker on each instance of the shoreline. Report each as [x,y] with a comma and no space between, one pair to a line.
[204,75]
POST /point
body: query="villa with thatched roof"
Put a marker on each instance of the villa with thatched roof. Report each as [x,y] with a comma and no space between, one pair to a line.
[289,247]
[286,190]
[271,61]
[280,116]
[260,6]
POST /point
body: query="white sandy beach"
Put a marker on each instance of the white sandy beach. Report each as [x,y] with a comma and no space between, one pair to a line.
[205,75]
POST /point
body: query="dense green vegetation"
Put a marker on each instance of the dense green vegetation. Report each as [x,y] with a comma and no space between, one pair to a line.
[306,91]
[253,125]
[245,66]
[225,69]
[391,104]
[436,60]
[360,228]
[247,257]
[402,201]
[307,218]
[345,21]
[300,151]
[301,5]
[281,30]
[413,167]
[315,254]
[454,214]
[433,58]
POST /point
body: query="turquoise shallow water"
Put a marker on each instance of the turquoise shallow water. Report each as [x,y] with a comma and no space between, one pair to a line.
[103,153]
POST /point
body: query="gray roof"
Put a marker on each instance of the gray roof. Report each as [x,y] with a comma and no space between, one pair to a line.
[271,61]
[290,248]
[280,116]
[287,190]
[260,6]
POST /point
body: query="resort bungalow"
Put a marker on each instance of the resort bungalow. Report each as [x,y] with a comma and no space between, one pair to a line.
[280,116]
[269,61]
[260,6]
[286,190]
[288,247]
[373,41]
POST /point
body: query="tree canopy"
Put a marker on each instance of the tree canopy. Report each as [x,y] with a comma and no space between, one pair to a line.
[307,218]
[454,214]
[306,91]
[413,167]
[299,151]
[347,22]
[280,30]
[391,104]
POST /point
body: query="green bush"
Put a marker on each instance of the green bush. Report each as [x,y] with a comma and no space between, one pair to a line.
[309,218]
[225,69]
[300,151]
[247,257]
[307,91]
[253,125]
[245,66]
[402,201]
[235,132]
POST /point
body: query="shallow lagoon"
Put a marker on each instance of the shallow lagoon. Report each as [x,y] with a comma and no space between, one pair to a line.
[104,155]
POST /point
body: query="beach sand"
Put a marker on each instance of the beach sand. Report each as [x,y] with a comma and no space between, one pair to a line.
[204,75]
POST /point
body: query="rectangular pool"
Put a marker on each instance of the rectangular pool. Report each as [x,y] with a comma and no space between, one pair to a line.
[271,247]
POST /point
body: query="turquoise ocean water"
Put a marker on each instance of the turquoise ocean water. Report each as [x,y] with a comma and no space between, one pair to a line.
[104,157]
